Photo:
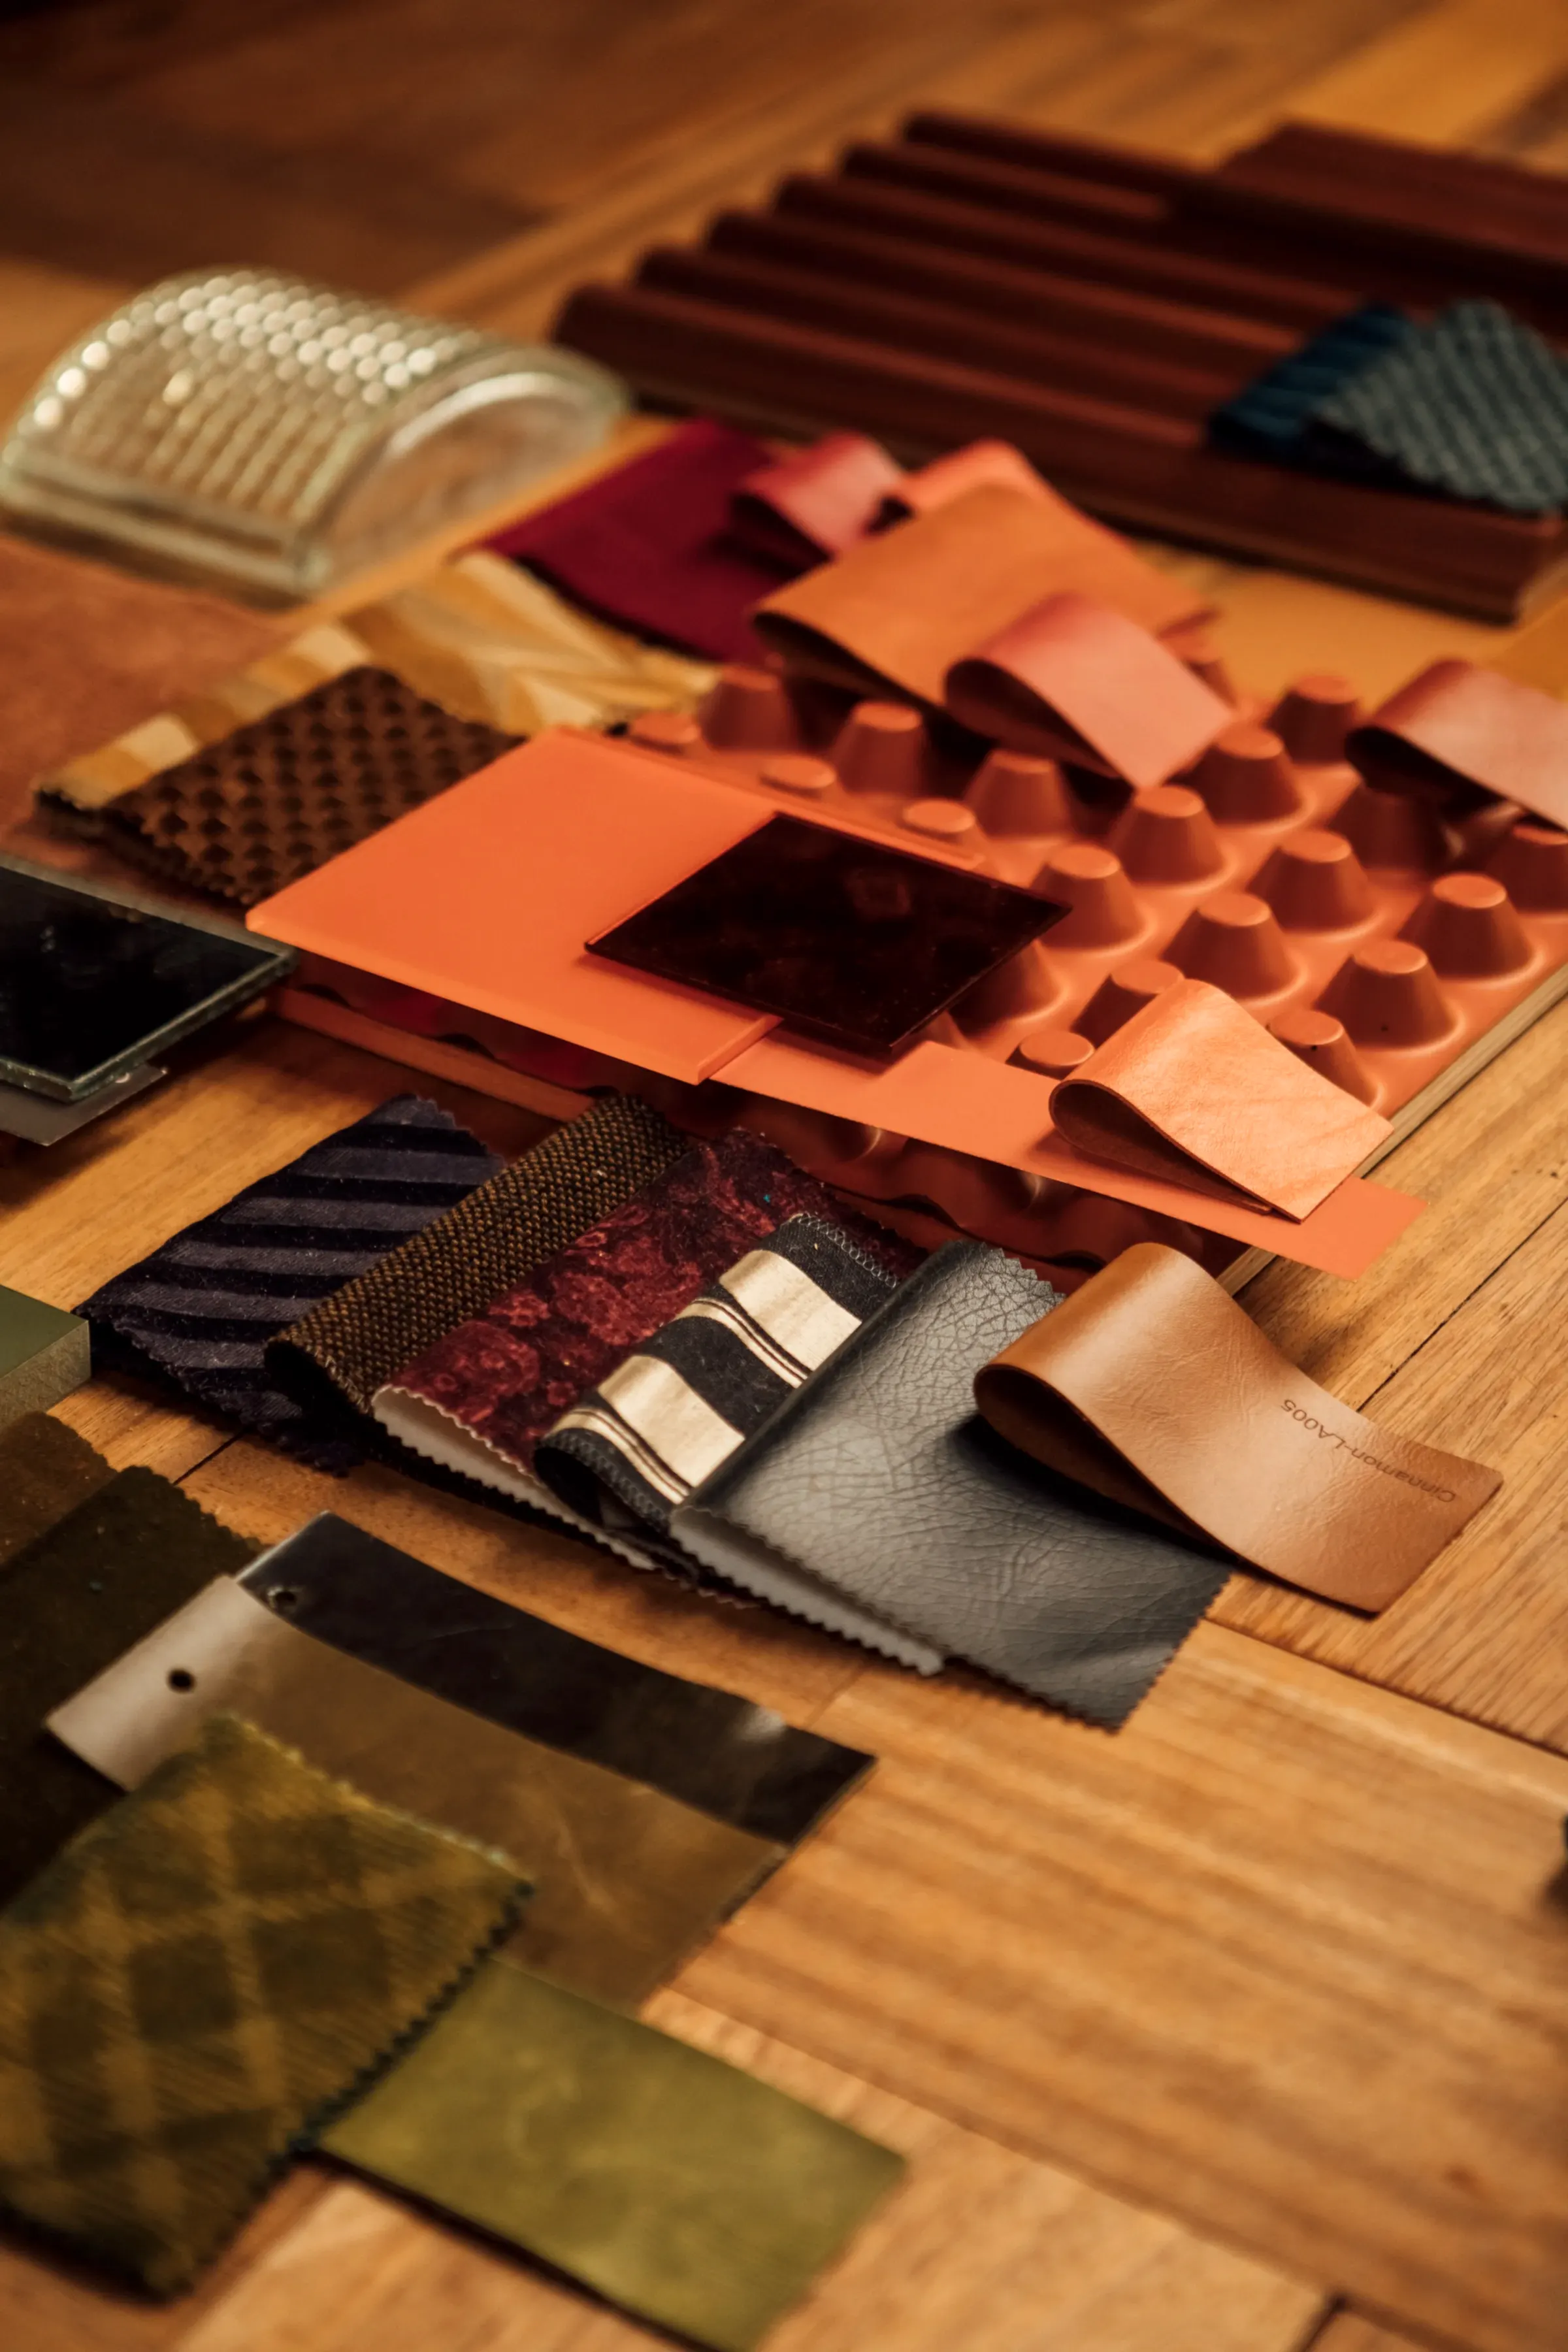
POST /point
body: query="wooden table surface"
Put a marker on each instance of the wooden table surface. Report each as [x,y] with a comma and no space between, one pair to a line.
[1244,2028]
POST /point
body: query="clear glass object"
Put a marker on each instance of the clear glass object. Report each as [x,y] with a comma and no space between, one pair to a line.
[273,436]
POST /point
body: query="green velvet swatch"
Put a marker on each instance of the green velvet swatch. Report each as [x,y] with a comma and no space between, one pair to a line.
[202,1976]
[43,1354]
[671,2183]
[69,1603]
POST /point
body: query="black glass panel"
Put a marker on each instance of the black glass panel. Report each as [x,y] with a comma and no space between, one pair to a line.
[849,940]
[90,985]
[741,1763]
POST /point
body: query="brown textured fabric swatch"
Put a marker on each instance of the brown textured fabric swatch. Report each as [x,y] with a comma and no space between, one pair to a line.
[46,1470]
[85,1591]
[86,652]
[344,1349]
[204,1978]
[277,798]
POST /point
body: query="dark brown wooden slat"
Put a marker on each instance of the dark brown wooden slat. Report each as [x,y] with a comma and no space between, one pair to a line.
[1103,258]
[1113,316]
[904,323]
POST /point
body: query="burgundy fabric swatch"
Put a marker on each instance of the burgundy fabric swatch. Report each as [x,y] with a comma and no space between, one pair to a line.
[510,1373]
[648,547]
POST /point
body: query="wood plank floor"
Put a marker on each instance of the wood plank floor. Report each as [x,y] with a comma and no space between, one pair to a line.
[1244,2030]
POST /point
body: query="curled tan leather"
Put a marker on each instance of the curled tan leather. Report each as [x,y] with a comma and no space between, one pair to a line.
[1194,1090]
[1070,679]
[1459,724]
[1152,1386]
[897,611]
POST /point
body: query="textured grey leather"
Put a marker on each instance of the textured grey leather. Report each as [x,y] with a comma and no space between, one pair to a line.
[880,1481]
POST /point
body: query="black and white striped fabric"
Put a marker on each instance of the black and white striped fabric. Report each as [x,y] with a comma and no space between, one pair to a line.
[199,1313]
[633,1449]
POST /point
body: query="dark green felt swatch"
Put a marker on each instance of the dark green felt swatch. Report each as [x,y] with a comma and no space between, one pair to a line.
[69,1605]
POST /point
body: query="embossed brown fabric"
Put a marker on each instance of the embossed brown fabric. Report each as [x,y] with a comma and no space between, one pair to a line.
[334,1359]
[277,798]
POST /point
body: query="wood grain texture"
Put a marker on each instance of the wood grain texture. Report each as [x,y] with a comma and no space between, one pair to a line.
[1285,1960]
[980,2247]
[1455,1338]
[1348,2332]
[1287,1957]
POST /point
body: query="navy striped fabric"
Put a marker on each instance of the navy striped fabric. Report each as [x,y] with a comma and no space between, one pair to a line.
[199,1313]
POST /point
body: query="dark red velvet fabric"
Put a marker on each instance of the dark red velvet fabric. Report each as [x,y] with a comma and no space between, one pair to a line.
[648,547]
[511,1371]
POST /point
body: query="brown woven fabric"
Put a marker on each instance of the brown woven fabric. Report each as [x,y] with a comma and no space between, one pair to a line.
[344,1349]
[277,798]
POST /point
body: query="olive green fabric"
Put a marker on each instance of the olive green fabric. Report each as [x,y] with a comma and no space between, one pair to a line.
[46,1470]
[628,1879]
[43,1354]
[669,2182]
[202,1976]
[69,1603]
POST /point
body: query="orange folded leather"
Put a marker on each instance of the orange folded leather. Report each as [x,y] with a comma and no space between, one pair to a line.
[995,1111]
[950,477]
[1458,724]
[816,501]
[1071,679]
[1151,1386]
[896,611]
[1194,1090]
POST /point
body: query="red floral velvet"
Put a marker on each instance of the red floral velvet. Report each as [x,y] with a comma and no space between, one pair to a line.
[510,1372]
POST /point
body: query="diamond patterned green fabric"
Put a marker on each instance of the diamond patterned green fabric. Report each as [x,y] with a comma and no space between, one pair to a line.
[204,1978]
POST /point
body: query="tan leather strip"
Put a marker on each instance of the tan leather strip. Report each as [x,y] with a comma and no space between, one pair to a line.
[1194,1090]
[1151,1385]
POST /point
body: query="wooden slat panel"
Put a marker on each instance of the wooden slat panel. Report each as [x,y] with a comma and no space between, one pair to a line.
[1287,1957]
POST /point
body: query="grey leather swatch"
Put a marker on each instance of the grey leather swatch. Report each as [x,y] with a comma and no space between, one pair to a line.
[879,1483]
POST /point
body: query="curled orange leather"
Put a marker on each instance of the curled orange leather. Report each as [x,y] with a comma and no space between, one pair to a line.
[1459,724]
[1194,1090]
[896,610]
[1152,1386]
[816,501]
[1071,679]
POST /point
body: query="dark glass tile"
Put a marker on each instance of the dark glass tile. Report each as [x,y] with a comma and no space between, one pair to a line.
[846,939]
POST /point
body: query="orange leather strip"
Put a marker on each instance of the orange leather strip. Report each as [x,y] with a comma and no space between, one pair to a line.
[1152,1386]
[897,611]
[825,497]
[1194,1090]
[1457,723]
[1070,679]
[994,1110]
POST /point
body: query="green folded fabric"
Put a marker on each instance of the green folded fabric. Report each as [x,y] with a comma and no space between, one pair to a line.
[204,1976]
[46,1470]
[69,1603]
[663,2179]
[43,1354]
